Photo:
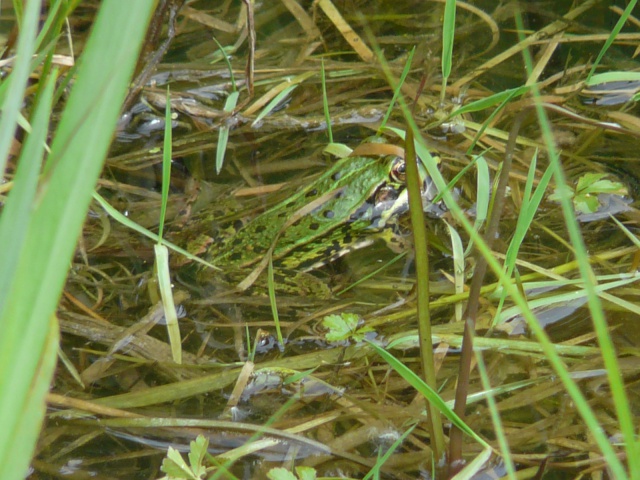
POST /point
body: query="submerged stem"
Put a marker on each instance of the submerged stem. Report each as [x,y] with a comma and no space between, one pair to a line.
[422,280]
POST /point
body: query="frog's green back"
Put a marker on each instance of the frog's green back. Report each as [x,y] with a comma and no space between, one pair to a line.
[309,214]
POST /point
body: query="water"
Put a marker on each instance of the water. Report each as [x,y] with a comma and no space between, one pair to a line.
[363,406]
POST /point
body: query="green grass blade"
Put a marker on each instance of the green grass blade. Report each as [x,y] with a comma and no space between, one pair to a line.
[429,394]
[483,196]
[26,411]
[626,231]
[275,101]
[127,222]
[171,316]
[612,36]
[274,305]
[620,400]
[56,217]
[166,164]
[325,101]
[448,34]
[51,26]
[13,228]
[163,273]
[458,267]
[28,417]
[229,107]
[397,90]
[17,81]
[226,60]
[491,100]
[223,132]
[613,77]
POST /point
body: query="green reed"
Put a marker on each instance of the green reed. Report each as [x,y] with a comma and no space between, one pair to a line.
[43,215]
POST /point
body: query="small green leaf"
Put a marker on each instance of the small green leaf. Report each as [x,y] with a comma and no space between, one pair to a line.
[306,473]
[595,183]
[280,474]
[607,186]
[588,179]
[339,326]
[586,203]
[588,187]
[277,100]
[175,466]
[344,327]
[559,191]
[196,455]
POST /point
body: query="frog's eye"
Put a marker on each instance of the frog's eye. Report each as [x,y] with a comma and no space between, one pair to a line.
[398,171]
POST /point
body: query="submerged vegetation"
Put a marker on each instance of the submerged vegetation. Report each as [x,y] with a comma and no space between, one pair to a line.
[232,311]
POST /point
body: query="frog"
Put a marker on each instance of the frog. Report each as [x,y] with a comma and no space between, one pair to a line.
[347,207]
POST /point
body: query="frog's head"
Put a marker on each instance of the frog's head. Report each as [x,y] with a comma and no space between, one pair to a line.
[390,199]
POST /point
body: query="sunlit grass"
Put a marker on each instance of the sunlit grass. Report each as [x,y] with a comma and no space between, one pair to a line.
[48,209]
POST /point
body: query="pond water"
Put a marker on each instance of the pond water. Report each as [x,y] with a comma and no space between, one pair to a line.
[323,398]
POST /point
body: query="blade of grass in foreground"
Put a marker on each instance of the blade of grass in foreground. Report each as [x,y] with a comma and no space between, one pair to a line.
[422,285]
[54,223]
[13,233]
[163,274]
[16,83]
[616,383]
[12,230]
[429,394]
[547,346]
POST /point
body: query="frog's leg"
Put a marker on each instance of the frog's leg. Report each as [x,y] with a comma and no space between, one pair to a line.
[397,240]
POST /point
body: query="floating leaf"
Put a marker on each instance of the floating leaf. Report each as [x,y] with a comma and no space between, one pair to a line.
[197,453]
[588,187]
[586,203]
[595,183]
[175,466]
[344,327]
[280,474]
[306,473]
[559,192]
